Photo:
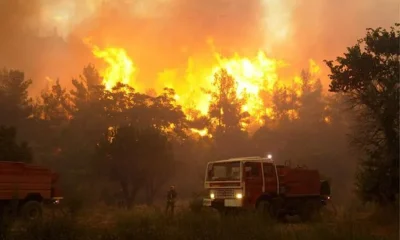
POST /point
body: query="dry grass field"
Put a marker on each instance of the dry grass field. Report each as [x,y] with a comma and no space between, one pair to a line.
[147,223]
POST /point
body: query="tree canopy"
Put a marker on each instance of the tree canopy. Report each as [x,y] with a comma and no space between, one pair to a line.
[136,158]
[10,150]
[368,75]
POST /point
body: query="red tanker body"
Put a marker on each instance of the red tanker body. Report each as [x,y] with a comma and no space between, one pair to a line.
[297,181]
[258,183]
[28,186]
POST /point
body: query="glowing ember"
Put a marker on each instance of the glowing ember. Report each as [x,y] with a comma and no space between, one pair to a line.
[327,119]
[201,132]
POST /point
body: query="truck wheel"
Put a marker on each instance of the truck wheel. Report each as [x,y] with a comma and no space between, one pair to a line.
[32,211]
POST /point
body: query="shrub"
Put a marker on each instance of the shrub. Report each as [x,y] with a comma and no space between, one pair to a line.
[59,228]
[188,225]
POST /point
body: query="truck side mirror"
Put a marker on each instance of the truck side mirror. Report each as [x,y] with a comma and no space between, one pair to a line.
[325,188]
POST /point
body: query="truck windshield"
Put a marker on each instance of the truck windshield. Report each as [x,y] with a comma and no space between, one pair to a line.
[227,171]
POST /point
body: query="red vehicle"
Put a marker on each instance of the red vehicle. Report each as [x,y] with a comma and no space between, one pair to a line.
[259,183]
[25,187]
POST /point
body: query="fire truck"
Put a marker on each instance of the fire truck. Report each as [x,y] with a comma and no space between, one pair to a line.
[258,183]
[24,188]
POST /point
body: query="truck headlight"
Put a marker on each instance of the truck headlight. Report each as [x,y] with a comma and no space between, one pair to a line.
[239,195]
[212,195]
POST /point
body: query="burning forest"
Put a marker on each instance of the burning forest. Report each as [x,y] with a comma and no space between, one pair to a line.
[124,98]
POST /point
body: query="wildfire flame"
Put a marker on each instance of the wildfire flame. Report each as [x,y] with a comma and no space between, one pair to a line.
[255,77]
[202,132]
[121,68]
[252,77]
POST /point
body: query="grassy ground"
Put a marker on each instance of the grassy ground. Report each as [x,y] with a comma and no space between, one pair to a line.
[146,223]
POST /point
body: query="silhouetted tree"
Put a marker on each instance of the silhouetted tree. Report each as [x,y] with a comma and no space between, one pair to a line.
[227,117]
[285,103]
[312,102]
[226,108]
[124,106]
[73,122]
[88,93]
[167,113]
[56,105]
[309,129]
[368,75]
[10,150]
[91,77]
[155,150]
[15,104]
[280,132]
[90,106]
[136,159]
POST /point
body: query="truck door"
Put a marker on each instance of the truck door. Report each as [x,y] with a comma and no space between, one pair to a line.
[253,181]
[270,178]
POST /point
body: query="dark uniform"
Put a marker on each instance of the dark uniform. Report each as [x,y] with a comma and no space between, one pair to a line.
[171,197]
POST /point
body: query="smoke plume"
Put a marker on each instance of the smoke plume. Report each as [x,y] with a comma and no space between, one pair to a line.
[44,37]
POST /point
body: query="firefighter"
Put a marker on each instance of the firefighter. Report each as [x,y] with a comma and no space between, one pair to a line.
[171,196]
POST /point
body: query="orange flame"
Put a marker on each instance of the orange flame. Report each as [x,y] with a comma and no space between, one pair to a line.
[255,77]
[120,66]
